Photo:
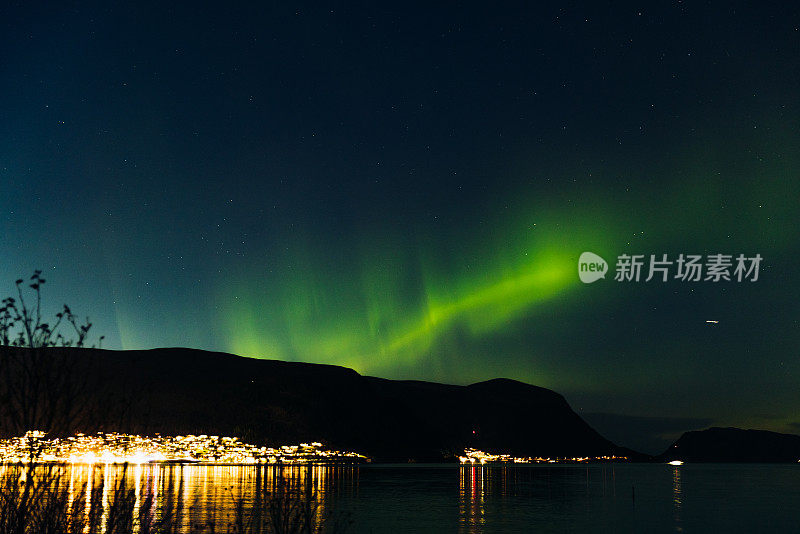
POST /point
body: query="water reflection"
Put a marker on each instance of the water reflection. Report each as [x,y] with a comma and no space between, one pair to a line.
[487,494]
[471,498]
[677,497]
[445,498]
[188,497]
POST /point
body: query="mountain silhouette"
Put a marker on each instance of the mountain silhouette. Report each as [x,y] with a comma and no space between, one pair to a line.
[734,445]
[177,391]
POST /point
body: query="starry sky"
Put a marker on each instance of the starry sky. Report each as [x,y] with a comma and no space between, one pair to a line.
[406,189]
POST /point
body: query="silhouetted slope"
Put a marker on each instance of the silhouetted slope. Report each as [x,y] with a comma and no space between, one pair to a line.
[734,445]
[497,415]
[180,391]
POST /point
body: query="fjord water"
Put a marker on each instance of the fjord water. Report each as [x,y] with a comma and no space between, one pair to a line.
[475,498]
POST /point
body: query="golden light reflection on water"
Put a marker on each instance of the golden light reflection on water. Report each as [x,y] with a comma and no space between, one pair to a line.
[677,497]
[472,488]
[191,497]
[488,493]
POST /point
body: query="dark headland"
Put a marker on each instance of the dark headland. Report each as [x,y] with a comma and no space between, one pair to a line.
[734,445]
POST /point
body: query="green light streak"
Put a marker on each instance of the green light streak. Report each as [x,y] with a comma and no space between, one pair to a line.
[487,308]
[383,313]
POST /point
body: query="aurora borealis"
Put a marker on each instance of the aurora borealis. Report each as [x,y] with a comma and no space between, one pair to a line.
[406,190]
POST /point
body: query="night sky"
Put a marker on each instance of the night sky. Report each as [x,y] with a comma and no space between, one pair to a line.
[406,189]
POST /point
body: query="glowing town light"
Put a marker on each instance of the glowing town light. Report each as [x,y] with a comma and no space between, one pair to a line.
[114,448]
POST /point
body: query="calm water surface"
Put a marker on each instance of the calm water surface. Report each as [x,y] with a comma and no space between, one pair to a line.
[473,499]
